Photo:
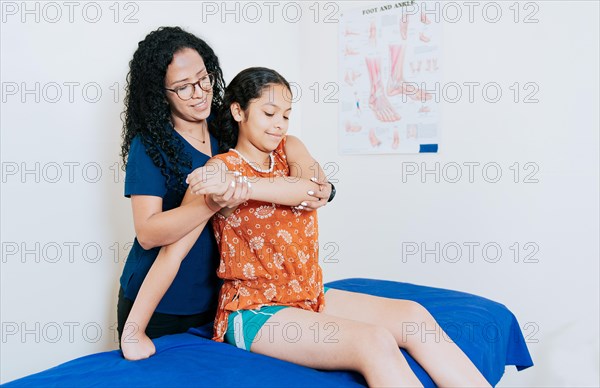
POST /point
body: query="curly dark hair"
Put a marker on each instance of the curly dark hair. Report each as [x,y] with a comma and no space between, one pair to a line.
[243,88]
[147,111]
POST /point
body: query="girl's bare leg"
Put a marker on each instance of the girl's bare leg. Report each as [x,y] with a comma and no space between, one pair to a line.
[322,341]
[443,360]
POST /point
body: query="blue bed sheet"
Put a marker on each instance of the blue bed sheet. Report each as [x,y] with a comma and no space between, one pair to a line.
[486,331]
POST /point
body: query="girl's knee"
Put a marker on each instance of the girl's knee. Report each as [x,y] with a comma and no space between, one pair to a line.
[377,341]
[378,350]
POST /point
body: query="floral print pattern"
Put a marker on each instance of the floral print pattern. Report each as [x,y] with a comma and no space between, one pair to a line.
[268,252]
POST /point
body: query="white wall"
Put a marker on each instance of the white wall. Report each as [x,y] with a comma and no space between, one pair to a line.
[558,295]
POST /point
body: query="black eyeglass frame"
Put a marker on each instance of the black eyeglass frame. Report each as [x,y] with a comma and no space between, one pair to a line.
[193,85]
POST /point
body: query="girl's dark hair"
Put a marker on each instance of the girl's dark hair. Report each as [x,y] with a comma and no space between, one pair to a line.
[245,87]
[147,110]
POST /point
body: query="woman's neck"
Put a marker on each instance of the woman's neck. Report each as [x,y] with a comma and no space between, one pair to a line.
[196,128]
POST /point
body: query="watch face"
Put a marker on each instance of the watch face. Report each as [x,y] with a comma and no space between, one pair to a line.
[332,192]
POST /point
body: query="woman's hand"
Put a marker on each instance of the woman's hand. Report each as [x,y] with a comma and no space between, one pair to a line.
[237,192]
[321,196]
[212,178]
[135,344]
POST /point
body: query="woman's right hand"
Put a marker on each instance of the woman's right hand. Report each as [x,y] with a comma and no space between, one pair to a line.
[135,344]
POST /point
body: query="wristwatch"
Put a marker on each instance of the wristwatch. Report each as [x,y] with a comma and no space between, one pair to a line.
[332,195]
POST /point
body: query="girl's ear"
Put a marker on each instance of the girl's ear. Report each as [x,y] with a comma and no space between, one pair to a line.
[237,112]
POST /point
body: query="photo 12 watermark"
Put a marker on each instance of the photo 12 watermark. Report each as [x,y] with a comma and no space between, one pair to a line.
[52,12]
[470,172]
[61,252]
[92,252]
[61,91]
[253,12]
[490,12]
[51,332]
[469,252]
[61,172]
[490,332]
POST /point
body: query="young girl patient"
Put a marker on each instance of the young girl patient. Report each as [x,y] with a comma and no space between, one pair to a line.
[272,300]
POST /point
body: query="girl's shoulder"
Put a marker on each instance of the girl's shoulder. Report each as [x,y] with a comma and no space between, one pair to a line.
[230,158]
[236,161]
[281,148]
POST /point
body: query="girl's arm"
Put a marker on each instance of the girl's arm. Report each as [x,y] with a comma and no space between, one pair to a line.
[155,227]
[291,191]
[288,191]
[144,182]
[303,165]
[300,161]
[135,344]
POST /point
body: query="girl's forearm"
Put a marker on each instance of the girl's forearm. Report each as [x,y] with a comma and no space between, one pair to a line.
[167,227]
[289,191]
[159,279]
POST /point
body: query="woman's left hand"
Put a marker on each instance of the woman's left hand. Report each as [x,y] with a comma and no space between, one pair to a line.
[321,196]
[238,192]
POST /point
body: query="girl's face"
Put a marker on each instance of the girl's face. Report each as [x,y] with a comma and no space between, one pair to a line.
[266,119]
[187,67]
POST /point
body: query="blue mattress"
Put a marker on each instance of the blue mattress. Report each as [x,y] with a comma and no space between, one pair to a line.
[486,331]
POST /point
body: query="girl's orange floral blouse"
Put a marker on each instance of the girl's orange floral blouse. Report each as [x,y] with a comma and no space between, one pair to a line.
[268,252]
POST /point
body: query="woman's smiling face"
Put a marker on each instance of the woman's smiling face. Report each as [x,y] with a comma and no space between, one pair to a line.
[187,67]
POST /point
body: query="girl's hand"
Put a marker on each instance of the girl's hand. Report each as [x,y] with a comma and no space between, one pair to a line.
[135,344]
[321,196]
[212,178]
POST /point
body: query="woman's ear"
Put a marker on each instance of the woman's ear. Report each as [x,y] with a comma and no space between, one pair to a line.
[237,112]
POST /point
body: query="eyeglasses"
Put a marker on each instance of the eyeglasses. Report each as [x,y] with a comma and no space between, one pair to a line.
[186,91]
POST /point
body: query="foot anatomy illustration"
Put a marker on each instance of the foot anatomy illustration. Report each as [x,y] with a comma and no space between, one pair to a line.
[375,142]
[424,19]
[349,32]
[351,76]
[350,127]
[378,102]
[349,51]
[404,26]
[396,141]
[396,83]
[373,34]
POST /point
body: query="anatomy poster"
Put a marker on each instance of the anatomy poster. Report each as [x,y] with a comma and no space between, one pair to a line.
[389,57]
